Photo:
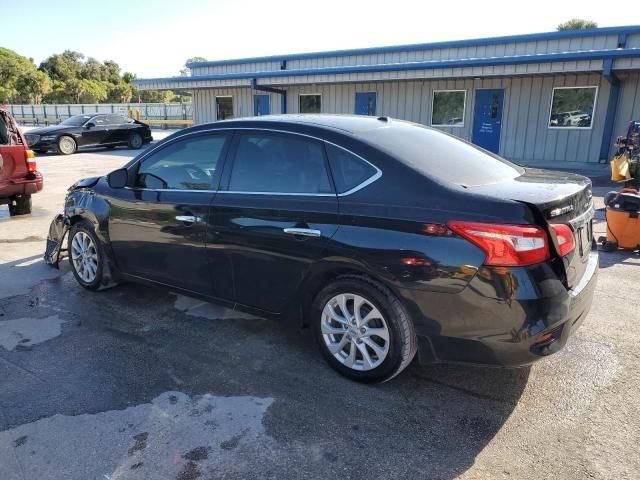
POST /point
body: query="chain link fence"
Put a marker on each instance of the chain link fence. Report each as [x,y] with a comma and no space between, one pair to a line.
[162,115]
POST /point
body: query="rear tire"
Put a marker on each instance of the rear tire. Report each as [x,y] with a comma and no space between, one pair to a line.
[610,246]
[20,205]
[373,340]
[135,141]
[67,145]
[86,256]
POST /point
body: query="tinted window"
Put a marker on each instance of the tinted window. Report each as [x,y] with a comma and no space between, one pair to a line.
[441,156]
[224,106]
[184,165]
[572,107]
[100,120]
[116,119]
[348,170]
[279,163]
[310,103]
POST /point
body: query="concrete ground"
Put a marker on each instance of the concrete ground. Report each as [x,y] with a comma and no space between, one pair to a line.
[138,383]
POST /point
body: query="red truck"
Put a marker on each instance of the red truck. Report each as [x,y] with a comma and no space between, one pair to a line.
[19,177]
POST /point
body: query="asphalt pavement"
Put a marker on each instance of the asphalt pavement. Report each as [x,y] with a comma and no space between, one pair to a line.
[140,383]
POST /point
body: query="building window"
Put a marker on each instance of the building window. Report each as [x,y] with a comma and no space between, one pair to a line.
[448,108]
[310,103]
[224,108]
[572,107]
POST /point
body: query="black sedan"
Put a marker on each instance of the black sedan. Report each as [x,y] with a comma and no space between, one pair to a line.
[91,130]
[386,238]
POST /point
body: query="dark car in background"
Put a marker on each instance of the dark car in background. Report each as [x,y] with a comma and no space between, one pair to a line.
[382,236]
[19,177]
[91,130]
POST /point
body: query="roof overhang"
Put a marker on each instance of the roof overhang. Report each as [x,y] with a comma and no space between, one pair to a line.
[590,60]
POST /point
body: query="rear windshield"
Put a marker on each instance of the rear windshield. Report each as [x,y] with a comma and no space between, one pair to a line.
[441,156]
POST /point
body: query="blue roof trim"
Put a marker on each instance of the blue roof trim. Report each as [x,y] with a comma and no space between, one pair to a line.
[393,67]
[530,37]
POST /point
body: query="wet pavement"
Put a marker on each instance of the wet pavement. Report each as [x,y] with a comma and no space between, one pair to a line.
[140,383]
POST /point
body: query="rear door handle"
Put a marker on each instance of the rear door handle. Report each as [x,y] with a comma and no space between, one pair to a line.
[305,232]
[188,218]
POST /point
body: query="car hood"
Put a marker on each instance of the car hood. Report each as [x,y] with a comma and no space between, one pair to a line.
[51,130]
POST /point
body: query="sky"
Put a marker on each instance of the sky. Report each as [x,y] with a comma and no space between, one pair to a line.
[154,38]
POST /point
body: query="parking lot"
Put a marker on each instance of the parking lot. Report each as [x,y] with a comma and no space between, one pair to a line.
[134,383]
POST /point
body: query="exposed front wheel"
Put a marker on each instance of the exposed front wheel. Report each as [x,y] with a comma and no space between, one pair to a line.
[135,141]
[363,330]
[20,205]
[85,256]
[67,145]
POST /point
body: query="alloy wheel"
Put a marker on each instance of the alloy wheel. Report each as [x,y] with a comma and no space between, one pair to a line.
[136,141]
[355,332]
[67,145]
[84,256]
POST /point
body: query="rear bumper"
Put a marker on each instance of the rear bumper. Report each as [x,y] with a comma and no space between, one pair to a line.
[27,185]
[503,319]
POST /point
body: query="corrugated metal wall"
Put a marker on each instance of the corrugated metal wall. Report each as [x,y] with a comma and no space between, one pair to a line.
[628,102]
[481,51]
[525,135]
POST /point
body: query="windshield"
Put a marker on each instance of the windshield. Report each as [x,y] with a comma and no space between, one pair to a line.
[76,120]
[441,156]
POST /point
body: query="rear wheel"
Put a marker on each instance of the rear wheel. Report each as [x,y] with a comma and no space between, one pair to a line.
[135,141]
[20,205]
[85,256]
[363,330]
[67,145]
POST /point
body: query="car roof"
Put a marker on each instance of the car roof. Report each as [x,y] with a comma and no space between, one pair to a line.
[351,124]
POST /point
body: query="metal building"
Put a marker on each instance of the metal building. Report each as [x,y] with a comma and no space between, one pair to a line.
[535,98]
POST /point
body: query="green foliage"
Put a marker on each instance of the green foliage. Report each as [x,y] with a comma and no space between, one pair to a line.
[577,24]
[70,78]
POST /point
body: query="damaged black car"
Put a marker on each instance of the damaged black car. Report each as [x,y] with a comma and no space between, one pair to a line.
[353,227]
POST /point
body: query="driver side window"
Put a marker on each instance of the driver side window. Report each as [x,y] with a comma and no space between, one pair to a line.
[187,164]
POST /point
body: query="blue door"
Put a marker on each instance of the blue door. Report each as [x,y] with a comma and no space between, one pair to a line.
[365,103]
[487,119]
[261,105]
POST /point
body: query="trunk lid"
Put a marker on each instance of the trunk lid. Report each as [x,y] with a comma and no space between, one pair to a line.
[558,197]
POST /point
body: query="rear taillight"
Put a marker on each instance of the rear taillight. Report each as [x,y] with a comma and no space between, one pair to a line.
[30,158]
[564,236]
[506,245]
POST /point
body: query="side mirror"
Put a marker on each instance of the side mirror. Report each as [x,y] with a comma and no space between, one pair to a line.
[118,178]
[90,125]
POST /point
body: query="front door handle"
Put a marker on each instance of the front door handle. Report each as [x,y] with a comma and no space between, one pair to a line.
[188,218]
[305,232]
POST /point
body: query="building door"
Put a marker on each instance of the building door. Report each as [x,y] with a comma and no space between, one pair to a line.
[261,105]
[365,103]
[487,119]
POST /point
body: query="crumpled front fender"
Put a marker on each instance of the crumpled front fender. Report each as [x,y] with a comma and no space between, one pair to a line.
[55,240]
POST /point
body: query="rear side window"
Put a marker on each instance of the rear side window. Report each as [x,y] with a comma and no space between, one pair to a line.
[348,170]
[116,120]
[188,164]
[274,163]
[441,156]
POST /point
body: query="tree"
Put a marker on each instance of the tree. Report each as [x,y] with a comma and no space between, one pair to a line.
[64,67]
[87,91]
[186,71]
[31,86]
[577,24]
[120,93]
[12,67]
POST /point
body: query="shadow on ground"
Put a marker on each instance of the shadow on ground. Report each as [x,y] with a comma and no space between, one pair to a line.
[128,346]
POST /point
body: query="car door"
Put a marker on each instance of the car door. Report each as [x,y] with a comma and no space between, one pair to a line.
[158,225]
[117,131]
[274,213]
[95,131]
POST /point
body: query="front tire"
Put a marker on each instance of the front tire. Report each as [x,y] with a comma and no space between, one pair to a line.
[363,330]
[86,256]
[67,145]
[20,205]
[135,141]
